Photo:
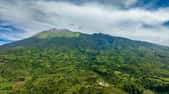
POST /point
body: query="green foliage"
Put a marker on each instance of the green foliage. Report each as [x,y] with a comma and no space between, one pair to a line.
[62,34]
[87,64]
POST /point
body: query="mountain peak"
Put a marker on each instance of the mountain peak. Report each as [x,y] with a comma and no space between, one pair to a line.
[52,33]
[58,30]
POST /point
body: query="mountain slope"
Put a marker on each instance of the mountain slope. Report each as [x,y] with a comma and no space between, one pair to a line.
[65,62]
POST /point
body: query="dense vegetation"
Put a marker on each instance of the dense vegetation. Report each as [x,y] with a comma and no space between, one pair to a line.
[56,63]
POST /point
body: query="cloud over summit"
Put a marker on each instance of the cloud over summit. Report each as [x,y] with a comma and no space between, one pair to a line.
[115,17]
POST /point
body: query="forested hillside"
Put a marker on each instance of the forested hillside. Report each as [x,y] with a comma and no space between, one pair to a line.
[65,62]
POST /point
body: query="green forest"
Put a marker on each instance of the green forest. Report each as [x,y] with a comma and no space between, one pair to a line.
[77,63]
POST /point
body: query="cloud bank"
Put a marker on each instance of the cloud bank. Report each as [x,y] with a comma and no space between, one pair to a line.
[31,17]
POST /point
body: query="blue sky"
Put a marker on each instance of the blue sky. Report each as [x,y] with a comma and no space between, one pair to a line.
[3,41]
[145,20]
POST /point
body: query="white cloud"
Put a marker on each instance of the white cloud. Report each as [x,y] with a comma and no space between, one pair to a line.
[35,16]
